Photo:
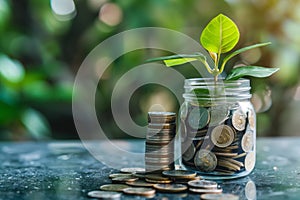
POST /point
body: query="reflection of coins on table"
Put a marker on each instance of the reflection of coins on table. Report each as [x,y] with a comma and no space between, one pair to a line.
[204,184]
[239,120]
[222,136]
[247,141]
[250,161]
[219,197]
[218,114]
[198,118]
[250,190]
[114,187]
[170,187]
[143,191]
[179,174]
[189,153]
[205,160]
[104,194]
[251,119]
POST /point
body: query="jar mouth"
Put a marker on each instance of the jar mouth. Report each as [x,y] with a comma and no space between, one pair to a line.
[207,89]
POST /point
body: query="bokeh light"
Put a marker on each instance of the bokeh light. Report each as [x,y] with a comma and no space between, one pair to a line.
[110,14]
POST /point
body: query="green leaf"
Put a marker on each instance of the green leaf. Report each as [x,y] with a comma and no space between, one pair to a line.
[254,71]
[179,59]
[220,35]
[228,57]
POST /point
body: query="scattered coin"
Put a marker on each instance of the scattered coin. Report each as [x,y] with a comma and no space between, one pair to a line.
[140,183]
[247,141]
[206,191]
[132,169]
[250,161]
[222,136]
[156,176]
[219,197]
[170,187]
[204,184]
[104,194]
[120,175]
[158,181]
[142,191]
[123,179]
[114,187]
[205,160]
[179,174]
[239,120]
[198,118]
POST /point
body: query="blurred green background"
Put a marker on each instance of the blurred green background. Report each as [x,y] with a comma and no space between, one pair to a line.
[44,42]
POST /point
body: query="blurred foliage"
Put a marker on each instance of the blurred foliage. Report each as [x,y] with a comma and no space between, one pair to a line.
[42,46]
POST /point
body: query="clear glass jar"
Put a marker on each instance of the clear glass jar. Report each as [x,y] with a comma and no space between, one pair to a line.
[217,128]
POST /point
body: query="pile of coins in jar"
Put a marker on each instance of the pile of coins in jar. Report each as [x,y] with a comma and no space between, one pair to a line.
[159,146]
[218,140]
[135,181]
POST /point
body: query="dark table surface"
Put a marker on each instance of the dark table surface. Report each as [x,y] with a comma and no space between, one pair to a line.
[66,170]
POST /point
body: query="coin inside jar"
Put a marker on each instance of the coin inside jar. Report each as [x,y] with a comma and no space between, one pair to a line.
[247,141]
[189,153]
[222,136]
[205,160]
[218,114]
[198,118]
[250,161]
[238,120]
[251,119]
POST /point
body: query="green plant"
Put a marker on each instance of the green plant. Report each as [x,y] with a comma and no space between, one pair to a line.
[220,36]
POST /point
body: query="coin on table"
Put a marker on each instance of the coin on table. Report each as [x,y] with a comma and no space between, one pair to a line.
[104,194]
[198,118]
[123,179]
[132,169]
[170,187]
[218,115]
[186,180]
[179,174]
[206,191]
[247,141]
[156,176]
[140,183]
[189,153]
[114,187]
[250,161]
[205,160]
[120,175]
[219,197]
[158,181]
[222,136]
[142,191]
[204,184]
[239,120]
[251,119]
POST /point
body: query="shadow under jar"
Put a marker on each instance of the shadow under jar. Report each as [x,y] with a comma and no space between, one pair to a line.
[217,128]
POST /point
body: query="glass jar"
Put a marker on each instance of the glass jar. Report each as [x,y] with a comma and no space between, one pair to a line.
[217,128]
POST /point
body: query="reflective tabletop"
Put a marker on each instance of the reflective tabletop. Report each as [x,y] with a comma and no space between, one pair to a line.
[67,170]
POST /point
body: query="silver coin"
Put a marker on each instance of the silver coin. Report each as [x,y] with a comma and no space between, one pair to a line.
[198,118]
[115,175]
[104,194]
[132,169]
[204,184]
[140,183]
[250,161]
[222,136]
[142,191]
[239,120]
[123,179]
[170,187]
[206,191]
[250,190]
[205,160]
[247,141]
[167,126]
[218,114]
[184,111]
[219,197]
[189,153]
[179,174]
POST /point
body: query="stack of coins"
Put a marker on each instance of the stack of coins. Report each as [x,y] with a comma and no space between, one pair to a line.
[159,152]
